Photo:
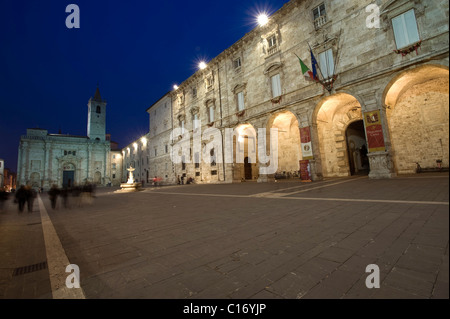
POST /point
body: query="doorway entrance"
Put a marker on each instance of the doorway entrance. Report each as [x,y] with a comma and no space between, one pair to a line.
[247,169]
[357,148]
[68,178]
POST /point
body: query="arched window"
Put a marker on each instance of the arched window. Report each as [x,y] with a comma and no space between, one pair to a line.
[99,109]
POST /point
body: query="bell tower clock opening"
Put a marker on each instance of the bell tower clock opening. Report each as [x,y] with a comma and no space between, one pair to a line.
[96,128]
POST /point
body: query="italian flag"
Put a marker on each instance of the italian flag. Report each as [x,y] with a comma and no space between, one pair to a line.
[307,73]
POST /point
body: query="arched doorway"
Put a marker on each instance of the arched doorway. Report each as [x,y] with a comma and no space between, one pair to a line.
[97,178]
[334,117]
[68,175]
[244,153]
[35,180]
[289,145]
[417,103]
[357,148]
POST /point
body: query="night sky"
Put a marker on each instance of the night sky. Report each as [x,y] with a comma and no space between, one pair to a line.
[135,50]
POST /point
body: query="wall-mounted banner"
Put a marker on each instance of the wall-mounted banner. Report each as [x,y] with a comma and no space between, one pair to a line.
[305,138]
[374,130]
[305,171]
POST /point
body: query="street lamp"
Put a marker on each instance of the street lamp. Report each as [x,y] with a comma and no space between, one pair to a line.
[262,19]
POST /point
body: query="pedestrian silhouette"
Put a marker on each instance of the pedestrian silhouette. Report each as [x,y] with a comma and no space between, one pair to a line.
[31,195]
[21,197]
[53,195]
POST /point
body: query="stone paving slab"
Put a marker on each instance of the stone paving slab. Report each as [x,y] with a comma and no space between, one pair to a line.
[239,241]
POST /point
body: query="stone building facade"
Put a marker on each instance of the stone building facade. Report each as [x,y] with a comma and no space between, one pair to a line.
[67,160]
[381,104]
[150,155]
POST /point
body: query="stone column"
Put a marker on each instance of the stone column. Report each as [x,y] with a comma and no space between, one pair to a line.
[381,163]
[46,175]
[315,163]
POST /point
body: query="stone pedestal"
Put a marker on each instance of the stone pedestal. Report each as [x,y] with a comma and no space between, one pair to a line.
[126,187]
[381,165]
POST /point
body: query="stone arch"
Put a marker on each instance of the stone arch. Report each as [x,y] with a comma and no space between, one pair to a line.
[289,145]
[417,113]
[245,152]
[97,178]
[331,118]
[35,180]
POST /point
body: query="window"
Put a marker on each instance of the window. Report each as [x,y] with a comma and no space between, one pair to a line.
[240,100]
[166,148]
[320,16]
[156,152]
[194,93]
[213,157]
[237,63]
[405,29]
[114,176]
[197,160]
[114,156]
[183,163]
[99,109]
[182,125]
[326,63]
[276,85]
[195,121]
[114,166]
[209,82]
[272,41]
[213,172]
[211,114]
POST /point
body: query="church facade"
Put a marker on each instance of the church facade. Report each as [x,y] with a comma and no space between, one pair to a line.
[67,160]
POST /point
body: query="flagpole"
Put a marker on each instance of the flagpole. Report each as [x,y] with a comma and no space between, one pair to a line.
[318,66]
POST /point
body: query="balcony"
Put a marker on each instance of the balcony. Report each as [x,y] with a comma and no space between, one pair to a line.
[273,49]
[320,21]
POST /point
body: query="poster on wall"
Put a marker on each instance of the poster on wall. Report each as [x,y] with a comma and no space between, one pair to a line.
[305,139]
[305,171]
[374,131]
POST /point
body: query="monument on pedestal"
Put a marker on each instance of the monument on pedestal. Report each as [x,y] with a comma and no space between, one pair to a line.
[130,185]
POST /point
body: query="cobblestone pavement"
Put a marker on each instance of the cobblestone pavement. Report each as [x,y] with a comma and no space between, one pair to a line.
[284,240]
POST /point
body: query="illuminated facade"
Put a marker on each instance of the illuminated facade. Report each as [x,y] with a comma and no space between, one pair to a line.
[380,107]
[67,160]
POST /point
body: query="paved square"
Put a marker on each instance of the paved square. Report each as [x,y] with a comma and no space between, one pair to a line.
[248,240]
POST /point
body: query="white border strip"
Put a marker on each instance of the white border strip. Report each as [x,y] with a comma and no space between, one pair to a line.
[57,260]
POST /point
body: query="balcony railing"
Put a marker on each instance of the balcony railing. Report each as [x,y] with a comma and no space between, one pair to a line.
[320,21]
[273,49]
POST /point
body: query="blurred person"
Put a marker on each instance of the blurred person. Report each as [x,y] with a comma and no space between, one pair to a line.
[53,195]
[21,197]
[31,195]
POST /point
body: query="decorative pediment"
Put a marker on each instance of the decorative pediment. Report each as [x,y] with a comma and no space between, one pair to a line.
[181,117]
[239,87]
[210,102]
[273,67]
[194,110]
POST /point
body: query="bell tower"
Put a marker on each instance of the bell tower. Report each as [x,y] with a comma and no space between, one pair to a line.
[96,127]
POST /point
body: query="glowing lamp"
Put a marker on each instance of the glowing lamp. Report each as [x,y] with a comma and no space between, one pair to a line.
[262,19]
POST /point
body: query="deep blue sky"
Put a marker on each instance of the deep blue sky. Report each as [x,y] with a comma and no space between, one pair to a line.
[135,50]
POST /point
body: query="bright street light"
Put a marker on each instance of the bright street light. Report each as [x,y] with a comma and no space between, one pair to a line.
[262,19]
